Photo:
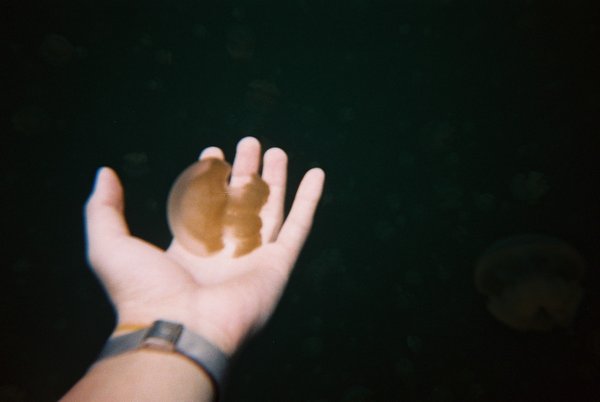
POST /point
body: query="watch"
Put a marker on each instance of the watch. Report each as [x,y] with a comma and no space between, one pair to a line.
[171,336]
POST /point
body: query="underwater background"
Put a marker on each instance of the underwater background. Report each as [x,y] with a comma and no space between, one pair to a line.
[442,125]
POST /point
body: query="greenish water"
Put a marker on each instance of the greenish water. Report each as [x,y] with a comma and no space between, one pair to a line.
[442,125]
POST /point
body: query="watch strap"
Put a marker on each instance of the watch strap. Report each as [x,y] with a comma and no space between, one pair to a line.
[172,336]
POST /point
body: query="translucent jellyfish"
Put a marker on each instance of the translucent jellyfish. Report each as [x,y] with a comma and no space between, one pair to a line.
[441,136]
[358,393]
[206,215]
[312,347]
[136,164]
[484,201]
[262,96]
[530,187]
[414,343]
[404,367]
[163,57]
[200,31]
[241,42]
[12,392]
[56,50]
[31,120]
[531,281]
[449,195]
[346,114]
[146,40]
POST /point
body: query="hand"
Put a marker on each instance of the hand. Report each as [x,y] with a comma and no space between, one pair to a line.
[219,297]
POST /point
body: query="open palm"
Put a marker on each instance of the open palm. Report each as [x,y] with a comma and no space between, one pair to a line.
[219,296]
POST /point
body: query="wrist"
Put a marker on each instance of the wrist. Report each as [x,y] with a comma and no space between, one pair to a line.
[226,344]
[158,376]
[172,338]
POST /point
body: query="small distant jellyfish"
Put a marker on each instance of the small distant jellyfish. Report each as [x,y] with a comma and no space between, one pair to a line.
[346,114]
[451,159]
[358,393]
[56,50]
[312,347]
[441,136]
[441,393]
[12,392]
[31,120]
[241,42]
[530,187]
[239,13]
[405,159]
[405,367]
[484,201]
[413,277]
[531,281]
[136,164]
[405,299]
[262,96]
[155,85]
[200,31]
[146,40]
[414,343]
[449,195]
[261,100]
[384,230]
[206,215]
[163,57]
[404,29]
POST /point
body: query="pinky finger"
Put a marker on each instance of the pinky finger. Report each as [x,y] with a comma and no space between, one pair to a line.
[297,225]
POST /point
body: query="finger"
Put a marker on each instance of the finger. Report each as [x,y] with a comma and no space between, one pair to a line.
[299,221]
[246,162]
[275,175]
[212,152]
[104,213]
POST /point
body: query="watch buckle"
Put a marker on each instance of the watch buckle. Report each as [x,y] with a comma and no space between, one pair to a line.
[162,335]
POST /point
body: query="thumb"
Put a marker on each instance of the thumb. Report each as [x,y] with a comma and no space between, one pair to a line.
[104,214]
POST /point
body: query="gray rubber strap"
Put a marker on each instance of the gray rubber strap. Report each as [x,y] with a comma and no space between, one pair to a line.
[205,354]
[123,343]
[189,344]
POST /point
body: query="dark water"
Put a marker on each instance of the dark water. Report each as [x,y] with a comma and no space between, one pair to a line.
[442,125]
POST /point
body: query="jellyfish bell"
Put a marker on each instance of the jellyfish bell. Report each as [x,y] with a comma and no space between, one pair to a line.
[531,281]
[206,215]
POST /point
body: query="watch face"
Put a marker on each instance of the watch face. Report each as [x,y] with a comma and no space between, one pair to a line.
[162,335]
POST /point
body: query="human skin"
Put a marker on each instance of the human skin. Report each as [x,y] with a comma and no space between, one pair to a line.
[220,297]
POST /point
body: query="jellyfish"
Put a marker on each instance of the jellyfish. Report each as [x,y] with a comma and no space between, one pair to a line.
[262,96]
[200,31]
[163,57]
[531,281]
[31,120]
[312,347]
[136,164]
[530,187]
[205,215]
[241,42]
[358,393]
[56,50]
[485,201]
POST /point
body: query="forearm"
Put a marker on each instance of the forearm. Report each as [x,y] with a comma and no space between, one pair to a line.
[143,375]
